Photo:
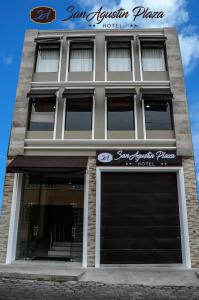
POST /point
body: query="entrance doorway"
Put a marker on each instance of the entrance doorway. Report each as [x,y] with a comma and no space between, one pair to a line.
[51,217]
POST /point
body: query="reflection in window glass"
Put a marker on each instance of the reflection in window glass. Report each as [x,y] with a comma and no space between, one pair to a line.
[120,114]
[42,114]
[48,58]
[79,114]
[119,56]
[158,115]
[81,57]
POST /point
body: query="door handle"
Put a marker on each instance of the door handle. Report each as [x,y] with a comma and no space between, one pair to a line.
[35,230]
[73,231]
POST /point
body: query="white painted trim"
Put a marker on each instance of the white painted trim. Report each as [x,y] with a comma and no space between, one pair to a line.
[80,87]
[102,140]
[98,218]
[56,112]
[80,35]
[135,118]
[143,120]
[181,200]
[132,60]
[93,119]
[186,256]
[138,82]
[67,59]
[94,59]
[49,36]
[63,119]
[105,118]
[85,222]
[14,219]
[60,60]
[96,147]
[140,60]
[119,34]
[105,62]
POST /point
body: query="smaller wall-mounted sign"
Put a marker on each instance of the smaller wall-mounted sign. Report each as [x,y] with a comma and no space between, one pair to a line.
[43,14]
[138,158]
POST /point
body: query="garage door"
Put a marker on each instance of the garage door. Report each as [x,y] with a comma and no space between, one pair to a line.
[139,219]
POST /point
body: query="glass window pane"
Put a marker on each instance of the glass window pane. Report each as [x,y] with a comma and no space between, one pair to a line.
[42,115]
[119,58]
[158,115]
[153,59]
[47,60]
[120,114]
[81,59]
[78,115]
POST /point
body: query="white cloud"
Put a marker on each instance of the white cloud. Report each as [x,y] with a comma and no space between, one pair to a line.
[189,45]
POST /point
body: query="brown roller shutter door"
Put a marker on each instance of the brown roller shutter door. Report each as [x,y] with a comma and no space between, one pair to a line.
[140,219]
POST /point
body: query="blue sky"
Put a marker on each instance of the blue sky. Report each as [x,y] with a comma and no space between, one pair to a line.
[182,14]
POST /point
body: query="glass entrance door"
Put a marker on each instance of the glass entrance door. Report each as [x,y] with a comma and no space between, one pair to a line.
[51,218]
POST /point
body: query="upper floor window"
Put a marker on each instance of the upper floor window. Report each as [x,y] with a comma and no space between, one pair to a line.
[78,114]
[119,56]
[47,57]
[120,114]
[81,57]
[158,115]
[153,56]
[41,114]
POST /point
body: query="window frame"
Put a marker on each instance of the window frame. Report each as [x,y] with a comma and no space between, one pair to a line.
[130,51]
[70,50]
[47,44]
[131,98]
[31,99]
[155,43]
[171,114]
[91,99]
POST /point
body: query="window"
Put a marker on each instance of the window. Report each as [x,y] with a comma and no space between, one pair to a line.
[78,114]
[81,57]
[153,57]
[119,56]
[42,114]
[47,58]
[158,115]
[120,114]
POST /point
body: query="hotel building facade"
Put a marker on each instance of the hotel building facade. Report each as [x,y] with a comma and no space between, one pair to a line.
[100,166]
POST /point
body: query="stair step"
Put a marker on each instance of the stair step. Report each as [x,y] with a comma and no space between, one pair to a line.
[64,254]
[65,248]
[63,244]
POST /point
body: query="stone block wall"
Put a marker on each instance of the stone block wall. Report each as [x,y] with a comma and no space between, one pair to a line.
[5,215]
[91,211]
[192,209]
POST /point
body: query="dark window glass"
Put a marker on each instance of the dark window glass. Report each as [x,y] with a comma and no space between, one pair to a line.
[81,57]
[120,114]
[158,115]
[79,114]
[42,114]
[119,56]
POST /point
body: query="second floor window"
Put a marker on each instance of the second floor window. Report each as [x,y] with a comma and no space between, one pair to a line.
[41,114]
[81,57]
[47,58]
[158,115]
[153,57]
[119,56]
[78,114]
[120,114]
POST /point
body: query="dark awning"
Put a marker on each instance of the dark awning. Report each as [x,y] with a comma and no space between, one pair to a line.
[48,39]
[41,93]
[152,37]
[116,38]
[42,164]
[155,93]
[119,93]
[78,93]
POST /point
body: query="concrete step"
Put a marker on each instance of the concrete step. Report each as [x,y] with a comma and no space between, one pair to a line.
[62,244]
[65,248]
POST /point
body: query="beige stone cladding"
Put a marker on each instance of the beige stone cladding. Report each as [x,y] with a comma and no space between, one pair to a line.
[192,209]
[5,215]
[91,211]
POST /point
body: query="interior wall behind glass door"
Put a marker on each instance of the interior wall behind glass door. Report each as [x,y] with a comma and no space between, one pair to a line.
[51,217]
